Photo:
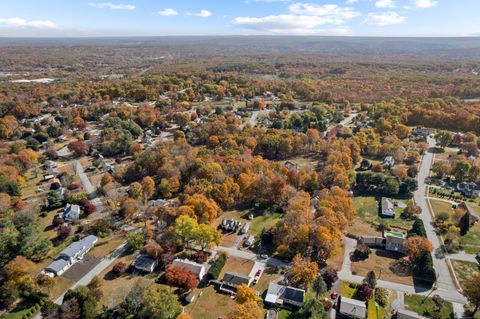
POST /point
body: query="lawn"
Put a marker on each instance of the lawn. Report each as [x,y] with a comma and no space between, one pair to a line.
[347,289]
[471,241]
[238,265]
[440,207]
[426,306]
[368,217]
[302,162]
[21,310]
[284,314]
[105,246]
[387,266]
[464,270]
[210,304]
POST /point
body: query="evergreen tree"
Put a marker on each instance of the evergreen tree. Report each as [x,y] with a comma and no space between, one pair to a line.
[464,224]
[371,279]
[418,229]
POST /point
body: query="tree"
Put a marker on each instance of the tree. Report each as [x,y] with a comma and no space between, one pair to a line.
[313,309]
[153,249]
[184,316]
[185,229]
[330,276]
[148,187]
[418,229]
[248,310]
[464,224]
[9,293]
[180,276]
[206,235]
[424,270]
[461,170]
[119,268]
[302,272]
[135,240]
[319,286]
[371,279]
[87,302]
[246,294]
[106,179]
[444,138]
[79,148]
[160,302]
[135,190]
[128,208]
[411,210]
[205,209]
[472,291]
[416,247]
[364,292]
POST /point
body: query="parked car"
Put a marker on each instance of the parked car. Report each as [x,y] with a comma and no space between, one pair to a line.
[264,256]
[334,295]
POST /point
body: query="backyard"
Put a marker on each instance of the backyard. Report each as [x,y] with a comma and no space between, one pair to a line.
[425,306]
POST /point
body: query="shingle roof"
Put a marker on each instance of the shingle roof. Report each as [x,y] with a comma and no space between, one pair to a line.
[190,265]
[57,265]
[79,246]
[233,278]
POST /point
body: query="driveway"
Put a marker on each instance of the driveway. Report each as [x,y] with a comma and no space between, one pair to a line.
[251,256]
[81,268]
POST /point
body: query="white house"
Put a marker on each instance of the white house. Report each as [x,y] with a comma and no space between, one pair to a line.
[71,212]
[198,269]
[353,308]
[388,208]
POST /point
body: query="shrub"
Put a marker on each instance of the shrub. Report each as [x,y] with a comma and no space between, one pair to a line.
[200,257]
[381,297]
[217,267]
[361,252]
[119,268]
[364,292]
[73,186]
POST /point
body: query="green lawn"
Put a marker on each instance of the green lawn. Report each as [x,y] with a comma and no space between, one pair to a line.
[347,289]
[464,269]
[471,241]
[440,207]
[368,211]
[265,221]
[19,312]
[426,306]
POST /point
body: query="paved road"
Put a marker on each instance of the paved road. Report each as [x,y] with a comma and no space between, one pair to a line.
[399,302]
[349,245]
[444,281]
[463,257]
[253,119]
[90,191]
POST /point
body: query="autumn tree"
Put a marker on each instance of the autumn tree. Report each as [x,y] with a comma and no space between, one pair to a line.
[248,310]
[303,272]
[106,179]
[205,209]
[180,276]
[185,229]
[79,148]
[148,187]
[206,235]
[444,138]
[411,211]
[128,208]
[319,286]
[135,190]
[246,294]
[416,247]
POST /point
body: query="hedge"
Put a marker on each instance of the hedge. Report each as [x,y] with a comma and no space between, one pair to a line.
[217,267]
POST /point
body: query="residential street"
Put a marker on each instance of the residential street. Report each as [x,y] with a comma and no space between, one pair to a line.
[235,252]
[445,281]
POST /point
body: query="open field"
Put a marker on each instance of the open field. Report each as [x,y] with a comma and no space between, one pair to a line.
[441,207]
[386,265]
[471,241]
[238,265]
[426,306]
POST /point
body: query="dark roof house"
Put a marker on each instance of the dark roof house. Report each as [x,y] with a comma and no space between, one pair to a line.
[145,263]
[281,295]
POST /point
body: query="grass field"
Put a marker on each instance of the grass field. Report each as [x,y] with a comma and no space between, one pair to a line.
[464,270]
[471,241]
[210,305]
[440,207]
[238,265]
[426,306]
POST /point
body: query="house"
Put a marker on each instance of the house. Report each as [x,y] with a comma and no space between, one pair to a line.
[473,216]
[373,241]
[388,162]
[70,255]
[407,314]
[421,131]
[71,212]
[280,295]
[107,167]
[468,189]
[231,280]
[198,269]
[394,241]
[229,225]
[244,229]
[249,241]
[291,166]
[50,164]
[388,208]
[145,264]
[352,308]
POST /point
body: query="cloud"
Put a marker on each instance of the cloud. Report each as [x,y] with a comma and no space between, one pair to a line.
[204,13]
[287,24]
[423,4]
[269,0]
[168,12]
[37,24]
[384,19]
[328,11]
[385,4]
[112,6]
[351,1]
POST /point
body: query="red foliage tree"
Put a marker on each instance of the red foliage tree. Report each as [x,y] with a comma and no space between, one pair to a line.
[88,207]
[63,231]
[79,148]
[179,276]
[119,268]
[364,292]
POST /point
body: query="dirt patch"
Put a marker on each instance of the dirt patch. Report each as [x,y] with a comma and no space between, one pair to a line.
[238,265]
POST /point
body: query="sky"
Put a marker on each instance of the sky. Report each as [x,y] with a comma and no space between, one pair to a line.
[82,18]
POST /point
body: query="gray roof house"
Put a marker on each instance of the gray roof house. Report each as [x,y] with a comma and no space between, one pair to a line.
[70,255]
[145,263]
[352,308]
[249,241]
[388,208]
[284,295]
[198,269]
[388,162]
[244,228]
[229,225]
[71,212]
[233,279]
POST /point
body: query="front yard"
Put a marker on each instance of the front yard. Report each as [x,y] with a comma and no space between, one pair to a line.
[426,307]
[464,270]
